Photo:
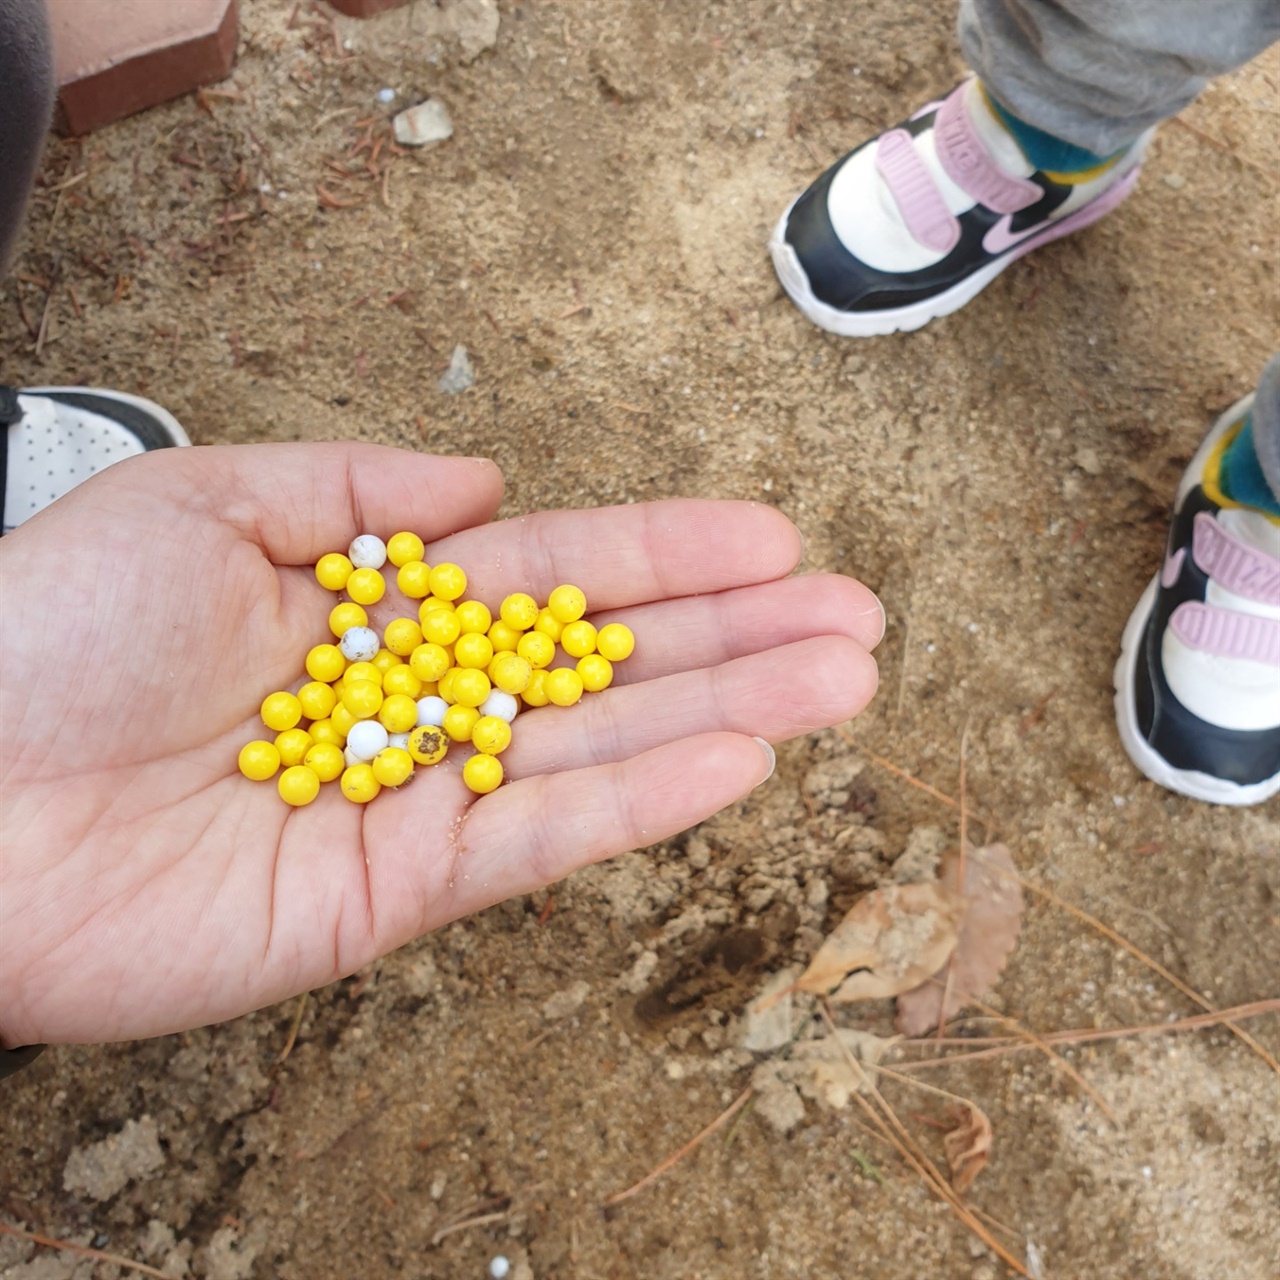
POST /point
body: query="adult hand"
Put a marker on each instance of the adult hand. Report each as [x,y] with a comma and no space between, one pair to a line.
[147,887]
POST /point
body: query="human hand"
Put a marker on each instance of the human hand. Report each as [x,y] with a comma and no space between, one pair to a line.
[147,887]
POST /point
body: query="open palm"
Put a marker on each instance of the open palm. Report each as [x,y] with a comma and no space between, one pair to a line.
[147,887]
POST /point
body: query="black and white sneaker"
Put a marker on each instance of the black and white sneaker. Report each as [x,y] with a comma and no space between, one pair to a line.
[917,221]
[57,437]
[1198,680]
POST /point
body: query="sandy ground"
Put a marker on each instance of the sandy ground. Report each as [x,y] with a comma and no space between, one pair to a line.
[594,235]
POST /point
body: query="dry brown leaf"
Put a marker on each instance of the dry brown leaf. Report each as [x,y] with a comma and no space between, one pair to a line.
[889,942]
[968,1146]
[987,938]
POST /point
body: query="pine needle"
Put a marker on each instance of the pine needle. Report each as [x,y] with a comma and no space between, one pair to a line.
[49,1242]
[672,1160]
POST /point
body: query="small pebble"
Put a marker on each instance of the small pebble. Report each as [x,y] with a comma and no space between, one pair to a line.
[427,122]
[459,376]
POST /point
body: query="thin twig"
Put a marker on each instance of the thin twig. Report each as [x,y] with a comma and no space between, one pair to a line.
[1056,1058]
[294,1027]
[97,1254]
[1224,147]
[964,845]
[1088,1035]
[484,1220]
[1092,921]
[671,1161]
[910,1150]
[897,770]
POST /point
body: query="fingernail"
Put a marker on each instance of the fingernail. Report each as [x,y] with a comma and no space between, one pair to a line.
[771,756]
[884,621]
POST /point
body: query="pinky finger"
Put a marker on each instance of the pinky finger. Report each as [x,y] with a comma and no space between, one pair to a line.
[540,829]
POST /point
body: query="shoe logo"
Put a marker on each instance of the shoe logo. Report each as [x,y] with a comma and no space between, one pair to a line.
[1172,567]
[999,238]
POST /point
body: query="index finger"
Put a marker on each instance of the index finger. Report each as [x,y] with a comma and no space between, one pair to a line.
[627,555]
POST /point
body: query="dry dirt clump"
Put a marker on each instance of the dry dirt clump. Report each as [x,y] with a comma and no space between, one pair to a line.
[592,236]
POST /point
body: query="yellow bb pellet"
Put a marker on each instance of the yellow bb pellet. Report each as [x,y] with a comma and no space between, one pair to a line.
[578,639]
[492,735]
[392,766]
[363,671]
[402,636]
[537,649]
[441,627]
[472,650]
[549,625]
[316,699]
[474,616]
[615,642]
[333,570]
[384,660]
[510,672]
[403,548]
[519,611]
[567,603]
[325,662]
[293,745]
[469,686]
[414,579]
[342,721]
[428,744]
[298,785]
[458,723]
[400,679]
[281,711]
[535,692]
[344,616]
[325,760]
[398,714]
[362,698]
[429,661]
[359,784]
[366,586]
[482,774]
[324,731]
[563,686]
[448,582]
[596,672]
[259,760]
[504,638]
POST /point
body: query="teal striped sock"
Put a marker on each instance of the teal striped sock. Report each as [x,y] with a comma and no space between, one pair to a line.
[1241,476]
[1044,150]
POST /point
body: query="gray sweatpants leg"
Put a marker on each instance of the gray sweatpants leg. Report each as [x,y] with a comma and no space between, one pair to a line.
[26,107]
[1266,424]
[1098,72]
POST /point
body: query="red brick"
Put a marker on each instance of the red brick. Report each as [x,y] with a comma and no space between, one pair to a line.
[114,59]
[365,8]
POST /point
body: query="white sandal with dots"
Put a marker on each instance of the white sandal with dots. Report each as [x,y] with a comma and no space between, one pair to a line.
[57,437]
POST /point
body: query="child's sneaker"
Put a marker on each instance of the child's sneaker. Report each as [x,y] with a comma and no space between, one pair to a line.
[917,221]
[56,437]
[1198,680]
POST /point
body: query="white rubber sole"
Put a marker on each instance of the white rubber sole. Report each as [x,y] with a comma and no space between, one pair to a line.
[870,324]
[1187,782]
[171,424]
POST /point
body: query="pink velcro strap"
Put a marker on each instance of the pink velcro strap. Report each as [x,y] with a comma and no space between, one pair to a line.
[970,165]
[1226,633]
[1241,569]
[915,193]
